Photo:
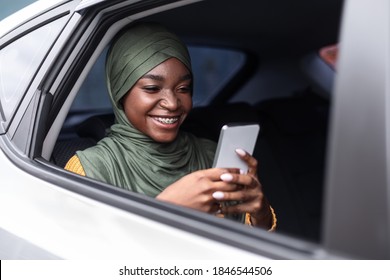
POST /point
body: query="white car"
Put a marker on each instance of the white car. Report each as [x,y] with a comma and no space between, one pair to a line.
[323,148]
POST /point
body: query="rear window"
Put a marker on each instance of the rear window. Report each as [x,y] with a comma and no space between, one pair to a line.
[213,68]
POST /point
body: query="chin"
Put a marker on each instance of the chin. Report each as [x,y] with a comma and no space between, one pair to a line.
[164,138]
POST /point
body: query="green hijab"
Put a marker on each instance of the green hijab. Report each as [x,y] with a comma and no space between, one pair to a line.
[128,158]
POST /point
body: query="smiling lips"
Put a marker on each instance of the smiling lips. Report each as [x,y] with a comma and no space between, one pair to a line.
[170,120]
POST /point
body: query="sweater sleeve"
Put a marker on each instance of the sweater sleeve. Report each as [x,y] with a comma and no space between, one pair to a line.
[74,165]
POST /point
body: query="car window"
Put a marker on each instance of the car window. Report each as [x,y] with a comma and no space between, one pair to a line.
[19,62]
[212,68]
[13,6]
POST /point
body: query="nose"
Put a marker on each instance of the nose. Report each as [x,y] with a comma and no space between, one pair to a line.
[170,101]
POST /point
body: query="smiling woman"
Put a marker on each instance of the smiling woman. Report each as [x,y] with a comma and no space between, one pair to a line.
[160,101]
[150,84]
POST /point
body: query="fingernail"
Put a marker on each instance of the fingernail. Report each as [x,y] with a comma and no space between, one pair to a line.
[242,171]
[240,152]
[218,195]
[227,177]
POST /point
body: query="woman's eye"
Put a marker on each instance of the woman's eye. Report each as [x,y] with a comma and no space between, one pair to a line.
[185,89]
[151,89]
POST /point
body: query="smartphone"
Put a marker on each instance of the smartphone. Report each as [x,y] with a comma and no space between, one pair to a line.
[232,137]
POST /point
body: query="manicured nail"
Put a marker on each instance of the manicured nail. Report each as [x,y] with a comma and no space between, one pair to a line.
[240,152]
[227,177]
[218,195]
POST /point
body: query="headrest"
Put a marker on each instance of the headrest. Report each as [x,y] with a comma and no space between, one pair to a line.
[320,67]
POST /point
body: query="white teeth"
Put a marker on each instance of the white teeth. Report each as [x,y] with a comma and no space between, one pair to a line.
[167,120]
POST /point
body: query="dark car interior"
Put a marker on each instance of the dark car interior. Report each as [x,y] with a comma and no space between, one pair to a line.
[282,40]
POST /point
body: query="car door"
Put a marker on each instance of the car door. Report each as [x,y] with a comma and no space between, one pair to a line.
[49,213]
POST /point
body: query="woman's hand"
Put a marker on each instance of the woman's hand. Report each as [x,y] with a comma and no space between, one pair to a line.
[249,192]
[196,190]
[204,190]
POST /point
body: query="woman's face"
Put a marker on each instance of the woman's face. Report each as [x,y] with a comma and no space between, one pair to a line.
[159,101]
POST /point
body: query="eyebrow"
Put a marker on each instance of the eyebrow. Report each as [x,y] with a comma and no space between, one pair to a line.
[161,78]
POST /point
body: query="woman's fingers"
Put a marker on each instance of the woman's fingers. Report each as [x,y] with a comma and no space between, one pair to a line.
[240,208]
[246,180]
[235,182]
[212,186]
[218,174]
[242,195]
[249,202]
[245,189]
[250,160]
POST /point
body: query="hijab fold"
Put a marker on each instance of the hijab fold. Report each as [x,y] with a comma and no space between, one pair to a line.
[128,158]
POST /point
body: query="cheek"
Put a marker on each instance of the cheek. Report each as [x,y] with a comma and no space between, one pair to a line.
[139,102]
[186,105]
[136,107]
[186,102]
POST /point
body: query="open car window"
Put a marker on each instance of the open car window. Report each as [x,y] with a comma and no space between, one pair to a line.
[279,113]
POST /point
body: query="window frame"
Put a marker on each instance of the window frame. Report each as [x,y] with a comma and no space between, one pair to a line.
[58,12]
